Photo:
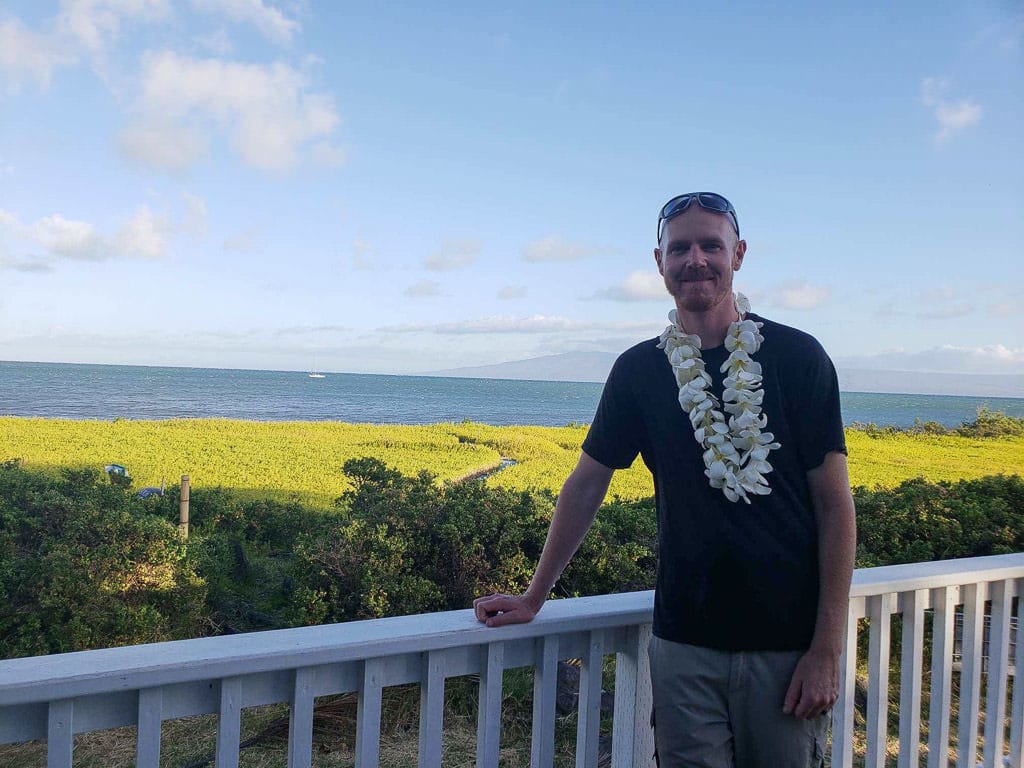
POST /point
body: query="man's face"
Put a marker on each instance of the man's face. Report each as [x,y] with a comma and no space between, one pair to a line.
[698,253]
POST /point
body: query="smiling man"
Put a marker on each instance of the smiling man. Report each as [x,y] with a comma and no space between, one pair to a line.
[737,418]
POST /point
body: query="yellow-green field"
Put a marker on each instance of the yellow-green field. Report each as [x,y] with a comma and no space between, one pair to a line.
[303,460]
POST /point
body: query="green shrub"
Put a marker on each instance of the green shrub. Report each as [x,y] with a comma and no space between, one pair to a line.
[411,546]
[84,565]
[919,521]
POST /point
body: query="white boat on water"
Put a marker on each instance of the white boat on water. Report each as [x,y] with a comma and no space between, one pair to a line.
[315,375]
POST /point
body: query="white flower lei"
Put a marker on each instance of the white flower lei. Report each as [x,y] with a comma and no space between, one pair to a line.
[735,451]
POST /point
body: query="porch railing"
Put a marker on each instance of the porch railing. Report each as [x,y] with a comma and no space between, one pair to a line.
[56,697]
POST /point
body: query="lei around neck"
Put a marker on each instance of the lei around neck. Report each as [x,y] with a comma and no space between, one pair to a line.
[735,448]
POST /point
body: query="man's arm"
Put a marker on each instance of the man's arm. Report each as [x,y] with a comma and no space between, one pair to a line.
[578,502]
[815,684]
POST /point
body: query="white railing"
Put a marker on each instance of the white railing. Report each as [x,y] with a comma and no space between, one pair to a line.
[55,697]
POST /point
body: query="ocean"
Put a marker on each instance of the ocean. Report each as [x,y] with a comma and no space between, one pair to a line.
[78,391]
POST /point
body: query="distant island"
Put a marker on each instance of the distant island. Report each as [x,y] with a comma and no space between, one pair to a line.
[594,366]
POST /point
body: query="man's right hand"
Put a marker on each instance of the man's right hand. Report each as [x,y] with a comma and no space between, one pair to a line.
[499,610]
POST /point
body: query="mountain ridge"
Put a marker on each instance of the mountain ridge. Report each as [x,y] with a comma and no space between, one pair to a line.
[594,367]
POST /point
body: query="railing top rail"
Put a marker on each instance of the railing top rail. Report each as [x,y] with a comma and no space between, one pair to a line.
[141,666]
[936,573]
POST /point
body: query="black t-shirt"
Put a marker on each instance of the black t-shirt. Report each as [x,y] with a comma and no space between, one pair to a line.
[731,575]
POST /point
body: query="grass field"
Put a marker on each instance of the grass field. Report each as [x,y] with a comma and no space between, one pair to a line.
[303,460]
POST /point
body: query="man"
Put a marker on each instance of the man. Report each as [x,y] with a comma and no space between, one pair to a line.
[756,527]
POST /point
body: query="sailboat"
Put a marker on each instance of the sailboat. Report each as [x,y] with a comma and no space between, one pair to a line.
[313,373]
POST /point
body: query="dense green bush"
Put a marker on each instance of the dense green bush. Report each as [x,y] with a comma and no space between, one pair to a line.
[412,546]
[84,565]
[918,521]
[987,423]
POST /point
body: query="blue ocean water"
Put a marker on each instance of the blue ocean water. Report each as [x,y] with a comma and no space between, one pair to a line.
[78,391]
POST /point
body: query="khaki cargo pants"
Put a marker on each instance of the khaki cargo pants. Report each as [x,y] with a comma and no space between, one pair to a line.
[723,709]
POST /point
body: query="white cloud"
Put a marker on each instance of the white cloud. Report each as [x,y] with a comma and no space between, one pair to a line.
[942,293]
[267,111]
[270,21]
[194,221]
[247,241]
[947,310]
[508,292]
[798,294]
[423,289]
[453,254]
[1009,308]
[69,239]
[162,145]
[949,358]
[25,54]
[26,264]
[363,254]
[94,22]
[327,155]
[556,248]
[80,27]
[638,286]
[953,116]
[144,235]
[532,324]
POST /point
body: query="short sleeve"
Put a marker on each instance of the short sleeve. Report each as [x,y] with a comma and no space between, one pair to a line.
[613,437]
[819,422]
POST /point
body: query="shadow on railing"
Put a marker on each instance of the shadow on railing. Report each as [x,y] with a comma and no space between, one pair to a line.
[56,697]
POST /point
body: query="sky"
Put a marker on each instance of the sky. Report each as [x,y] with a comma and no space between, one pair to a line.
[404,187]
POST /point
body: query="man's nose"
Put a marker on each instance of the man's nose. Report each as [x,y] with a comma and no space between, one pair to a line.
[695,255]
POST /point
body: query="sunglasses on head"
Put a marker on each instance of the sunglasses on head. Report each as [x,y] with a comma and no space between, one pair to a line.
[707,200]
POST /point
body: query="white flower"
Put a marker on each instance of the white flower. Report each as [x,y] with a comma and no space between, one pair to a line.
[735,451]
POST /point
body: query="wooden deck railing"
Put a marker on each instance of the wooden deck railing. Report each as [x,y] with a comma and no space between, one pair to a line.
[55,697]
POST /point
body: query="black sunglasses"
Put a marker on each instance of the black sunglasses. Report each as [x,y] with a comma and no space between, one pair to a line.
[708,200]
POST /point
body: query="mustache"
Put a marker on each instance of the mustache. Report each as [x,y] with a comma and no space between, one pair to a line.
[696,274]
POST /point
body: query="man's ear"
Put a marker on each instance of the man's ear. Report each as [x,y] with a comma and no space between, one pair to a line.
[738,254]
[657,260]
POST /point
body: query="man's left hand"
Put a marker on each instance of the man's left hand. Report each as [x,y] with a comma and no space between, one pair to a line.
[814,687]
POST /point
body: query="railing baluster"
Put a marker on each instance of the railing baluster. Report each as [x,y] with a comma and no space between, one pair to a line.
[545,689]
[627,664]
[632,737]
[147,747]
[970,674]
[300,720]
[431,710]
[588,725]
[229,724]
[368,714]
[880,609]
[842,712]
[911,664]
[995,687]
[944,603]
[60,733]
[488,728]
[1017,710]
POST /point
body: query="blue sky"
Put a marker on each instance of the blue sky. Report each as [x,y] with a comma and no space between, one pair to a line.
[258,184]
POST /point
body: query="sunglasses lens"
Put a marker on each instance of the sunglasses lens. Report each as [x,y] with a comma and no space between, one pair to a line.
[714,202]
[675,205]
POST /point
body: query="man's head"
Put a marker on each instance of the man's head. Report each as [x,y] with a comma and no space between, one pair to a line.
[698,250]
[711,201]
